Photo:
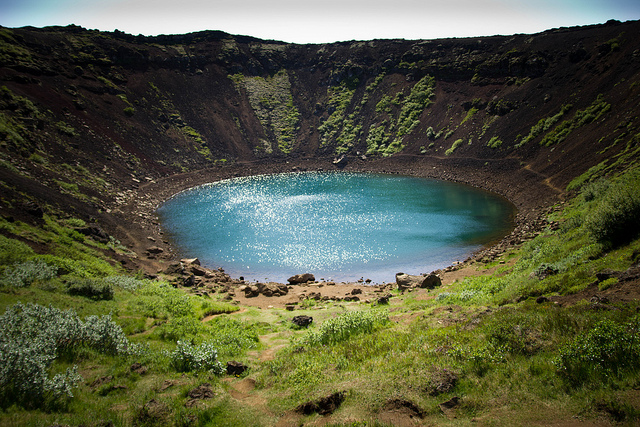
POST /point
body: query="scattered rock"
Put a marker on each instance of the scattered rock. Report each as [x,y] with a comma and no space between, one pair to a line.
[356,291]
[203,391]
[251,291]
[189,281]
[302,321]
[34,209]
[384,299]
[301,278]
[95,232]
[190,261]
[323,406]
[312,295]
[272,289]
[341,161]
[431,281]
[236,368]
[155,250]
[407,281]
[174,268]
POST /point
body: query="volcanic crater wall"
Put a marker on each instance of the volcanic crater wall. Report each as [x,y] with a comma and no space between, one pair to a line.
[89,119]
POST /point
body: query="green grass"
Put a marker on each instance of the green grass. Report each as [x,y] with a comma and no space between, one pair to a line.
[483,338]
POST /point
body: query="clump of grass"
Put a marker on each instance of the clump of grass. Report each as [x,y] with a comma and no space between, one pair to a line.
[457,143]
[494,142]
[344,326]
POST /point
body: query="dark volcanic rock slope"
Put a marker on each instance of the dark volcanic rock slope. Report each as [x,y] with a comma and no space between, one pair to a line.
[87,117]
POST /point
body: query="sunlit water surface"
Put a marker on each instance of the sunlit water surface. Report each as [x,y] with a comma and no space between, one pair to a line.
[338,226]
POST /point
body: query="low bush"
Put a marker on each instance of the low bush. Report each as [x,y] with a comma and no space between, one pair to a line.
[160,300]
[184,327]
[33,336]
[125,282]
[94,289]
[28,272]
[187,358]
[607,351]
[232,337]
[616,218]
[494,142]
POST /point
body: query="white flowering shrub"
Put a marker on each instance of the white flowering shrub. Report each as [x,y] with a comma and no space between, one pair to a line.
[125,282]
[187,357]
[33,336]
[25,273]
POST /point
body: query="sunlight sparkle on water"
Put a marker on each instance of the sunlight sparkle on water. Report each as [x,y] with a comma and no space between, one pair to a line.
[335,225]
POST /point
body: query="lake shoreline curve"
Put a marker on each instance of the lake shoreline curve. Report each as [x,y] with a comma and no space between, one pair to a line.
[528,191]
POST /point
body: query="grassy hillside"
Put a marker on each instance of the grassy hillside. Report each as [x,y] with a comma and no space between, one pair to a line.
[101,327]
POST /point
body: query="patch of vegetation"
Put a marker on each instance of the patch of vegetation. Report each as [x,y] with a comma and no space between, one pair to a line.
[500,107]
[607,351]
[386,138]
[339,100]
[32,337]
[589,176]
[90,288]
[26,273]
[187,358]
[17,115]
[457,143]
[582,117]
[66,129]
[472,112]
[413,105]
[67,250]
[615,218]
[344,326]
[494,142]
[272,102]
[544,125]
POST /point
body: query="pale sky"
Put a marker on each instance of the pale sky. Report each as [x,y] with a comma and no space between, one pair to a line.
[321,21]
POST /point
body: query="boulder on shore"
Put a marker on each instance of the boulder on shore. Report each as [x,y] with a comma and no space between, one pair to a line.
[406,281]
[272,289]
[301,278]
[302,321]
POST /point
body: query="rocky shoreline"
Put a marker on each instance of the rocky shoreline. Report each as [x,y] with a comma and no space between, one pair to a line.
[143,234]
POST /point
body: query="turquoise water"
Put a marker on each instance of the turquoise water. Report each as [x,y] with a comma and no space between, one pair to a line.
[338,226]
